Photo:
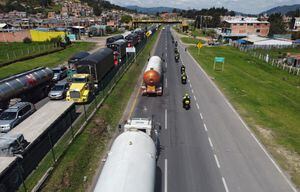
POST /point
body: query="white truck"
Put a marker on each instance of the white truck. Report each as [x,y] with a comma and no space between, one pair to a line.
[131,162]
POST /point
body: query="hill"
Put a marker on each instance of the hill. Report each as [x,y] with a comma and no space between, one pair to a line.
[150,10]
[282,9]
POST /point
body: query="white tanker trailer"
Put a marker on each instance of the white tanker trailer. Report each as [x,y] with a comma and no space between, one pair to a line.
[131,162]
[152,84]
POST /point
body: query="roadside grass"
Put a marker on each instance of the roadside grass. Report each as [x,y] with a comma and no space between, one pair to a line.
[198,33]
[77,167]
[266,97]
[189,40]
[50,60]
[16,50]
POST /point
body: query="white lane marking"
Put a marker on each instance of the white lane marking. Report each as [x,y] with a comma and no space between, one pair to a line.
[198,107]
[210,142]
[166,119]
[245,125]
[166,175]
[166,54]
[195,97]
[166,64]
[205,127]
[192,91]
[166,84]
[191,86]
[217,161]
[201,116]
[225,185]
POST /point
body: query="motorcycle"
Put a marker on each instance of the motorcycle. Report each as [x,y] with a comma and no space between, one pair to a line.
[182,69]
[183,79]
[186,104]
[177,58]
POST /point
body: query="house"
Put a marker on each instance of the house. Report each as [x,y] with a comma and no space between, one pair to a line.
[297,24]
[257,40]
[240,27]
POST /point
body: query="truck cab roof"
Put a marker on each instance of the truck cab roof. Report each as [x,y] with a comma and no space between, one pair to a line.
[139,124]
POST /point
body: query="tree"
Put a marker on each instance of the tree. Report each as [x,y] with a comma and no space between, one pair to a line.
[126,18]
[277,25]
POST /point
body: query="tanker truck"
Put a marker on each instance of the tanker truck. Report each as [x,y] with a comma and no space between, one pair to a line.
[131,162]
[152,79]
[29,86]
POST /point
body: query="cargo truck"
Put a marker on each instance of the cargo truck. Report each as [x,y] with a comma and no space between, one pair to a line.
[90,72]
[152,79]
[113,39]
[119,50]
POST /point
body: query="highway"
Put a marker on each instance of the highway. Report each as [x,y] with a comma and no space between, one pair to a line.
[207,148]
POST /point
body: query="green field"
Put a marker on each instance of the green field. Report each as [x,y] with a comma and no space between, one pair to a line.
[266,97]
[14,51]
[83,156]
[189,40]
[50,60]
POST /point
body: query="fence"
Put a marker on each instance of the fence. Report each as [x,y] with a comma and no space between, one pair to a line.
[12,52]
[86,113]
[280,63]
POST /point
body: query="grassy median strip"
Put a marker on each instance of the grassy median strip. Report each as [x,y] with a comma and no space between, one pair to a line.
[50,60]
[77,167]
[266,97]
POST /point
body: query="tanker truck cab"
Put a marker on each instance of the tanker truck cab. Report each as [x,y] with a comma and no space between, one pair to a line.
[81,88]
[145,125]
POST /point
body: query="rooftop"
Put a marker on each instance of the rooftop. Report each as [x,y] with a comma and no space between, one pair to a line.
[245,20]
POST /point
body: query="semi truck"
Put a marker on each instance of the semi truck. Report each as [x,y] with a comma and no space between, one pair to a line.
[152,78]
[90,71]
[132,40]
[131,162]
[29,86]
[119,50]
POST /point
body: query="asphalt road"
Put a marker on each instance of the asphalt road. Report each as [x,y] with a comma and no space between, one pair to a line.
[207,148]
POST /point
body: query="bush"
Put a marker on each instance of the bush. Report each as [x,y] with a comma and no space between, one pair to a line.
[27,40]
[56,39]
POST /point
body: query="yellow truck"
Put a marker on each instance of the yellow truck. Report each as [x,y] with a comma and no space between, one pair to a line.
[88,75]
[81,89]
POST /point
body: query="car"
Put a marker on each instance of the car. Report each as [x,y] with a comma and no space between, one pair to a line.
[59,91]
[14,115]
[59,73]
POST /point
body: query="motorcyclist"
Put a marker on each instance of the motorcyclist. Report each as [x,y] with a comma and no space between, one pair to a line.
[175,50]
[177,56]
[182,69]
[186,100]
[176,43]
[183,78]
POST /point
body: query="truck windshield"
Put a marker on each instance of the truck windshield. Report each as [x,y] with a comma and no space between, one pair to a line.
[8,115]
[79,80]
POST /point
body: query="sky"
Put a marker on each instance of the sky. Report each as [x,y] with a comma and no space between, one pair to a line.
[245,6]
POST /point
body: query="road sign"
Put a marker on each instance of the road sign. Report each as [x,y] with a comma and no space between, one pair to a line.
[199,45]
[130,49]
[219,59]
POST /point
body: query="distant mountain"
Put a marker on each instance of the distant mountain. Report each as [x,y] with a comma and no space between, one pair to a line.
[151,10]
[282,9]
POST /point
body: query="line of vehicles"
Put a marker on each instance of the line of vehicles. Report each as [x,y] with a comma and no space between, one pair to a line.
[85,75]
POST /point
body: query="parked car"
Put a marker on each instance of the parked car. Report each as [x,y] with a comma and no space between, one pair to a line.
[59,73]
[14,115]
[59,91]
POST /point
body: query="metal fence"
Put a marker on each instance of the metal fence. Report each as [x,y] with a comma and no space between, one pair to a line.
[12,53]
[280,63]
[56,149]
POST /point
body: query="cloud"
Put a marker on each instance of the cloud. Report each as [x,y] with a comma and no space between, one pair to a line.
[246,6]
